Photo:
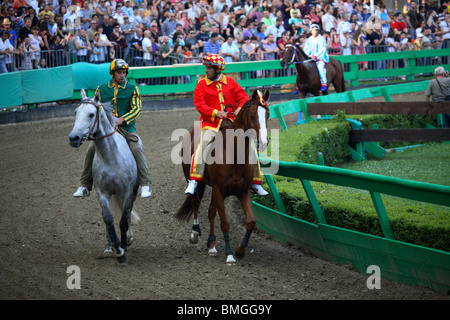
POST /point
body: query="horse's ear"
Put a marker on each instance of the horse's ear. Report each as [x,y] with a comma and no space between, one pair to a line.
[82,94]
[254,95]
[97,97]
[266,96]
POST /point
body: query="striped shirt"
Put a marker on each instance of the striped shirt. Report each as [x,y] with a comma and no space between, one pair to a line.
[210,48]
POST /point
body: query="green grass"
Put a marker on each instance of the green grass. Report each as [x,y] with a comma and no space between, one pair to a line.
[429,163]
[411,221]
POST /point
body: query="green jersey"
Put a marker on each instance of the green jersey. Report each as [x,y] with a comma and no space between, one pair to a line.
[126,101]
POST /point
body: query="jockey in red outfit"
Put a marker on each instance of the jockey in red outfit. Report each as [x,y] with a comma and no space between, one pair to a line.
[211,95]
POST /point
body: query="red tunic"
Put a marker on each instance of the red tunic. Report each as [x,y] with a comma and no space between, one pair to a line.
[212,96]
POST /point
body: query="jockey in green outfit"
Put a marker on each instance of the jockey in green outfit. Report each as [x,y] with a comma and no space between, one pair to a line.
[126,101]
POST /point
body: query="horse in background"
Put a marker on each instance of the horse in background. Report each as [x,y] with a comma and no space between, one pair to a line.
[308,79]
[227,178]
[114,169]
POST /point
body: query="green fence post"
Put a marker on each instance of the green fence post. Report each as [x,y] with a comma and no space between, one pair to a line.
[277,111]
[382,215]
[275,193]
[313,201]
[354,82]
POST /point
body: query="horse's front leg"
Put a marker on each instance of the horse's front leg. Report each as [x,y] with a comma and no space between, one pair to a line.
[109,222]
[246,203]
[108,248]
[218,200]
[124,225]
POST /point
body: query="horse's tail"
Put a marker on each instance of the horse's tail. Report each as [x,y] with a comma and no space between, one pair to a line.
[191,203]
[115,205]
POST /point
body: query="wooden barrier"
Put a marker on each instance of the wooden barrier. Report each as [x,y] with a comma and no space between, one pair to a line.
[413,107]
[399,135]
[367,140]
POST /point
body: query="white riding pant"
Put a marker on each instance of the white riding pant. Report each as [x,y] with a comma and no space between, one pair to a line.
[322,71]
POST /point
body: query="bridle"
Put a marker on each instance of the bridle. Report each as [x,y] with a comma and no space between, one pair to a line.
[96,121]
[229,114]
[294,59]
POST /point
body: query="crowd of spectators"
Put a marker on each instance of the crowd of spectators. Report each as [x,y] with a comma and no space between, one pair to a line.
[46,33]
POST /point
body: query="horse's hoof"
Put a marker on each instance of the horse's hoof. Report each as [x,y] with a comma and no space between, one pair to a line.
[230,260]
[130,241]
[122,259]
[194,237]
[240,253]
[108,252]
[213,252]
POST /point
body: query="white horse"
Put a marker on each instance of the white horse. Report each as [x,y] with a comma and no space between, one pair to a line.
[114,169]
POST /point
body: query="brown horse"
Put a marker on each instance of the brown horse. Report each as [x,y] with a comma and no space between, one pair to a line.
[227,177]
[308,79]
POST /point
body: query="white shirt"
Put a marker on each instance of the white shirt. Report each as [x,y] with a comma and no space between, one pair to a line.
[4,46]
[147,43]
[226,48]
[328,22]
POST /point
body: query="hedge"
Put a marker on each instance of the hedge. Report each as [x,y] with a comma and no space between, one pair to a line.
[412,222]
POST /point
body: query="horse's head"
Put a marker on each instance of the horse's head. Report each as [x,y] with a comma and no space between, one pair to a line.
[86,119]
[292,54]
[256,113]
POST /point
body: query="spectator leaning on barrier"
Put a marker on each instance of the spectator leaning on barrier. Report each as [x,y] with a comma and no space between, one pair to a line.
[6,50]
[439,90]
[147,49]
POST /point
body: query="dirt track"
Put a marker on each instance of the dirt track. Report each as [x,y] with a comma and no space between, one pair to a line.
[44,230]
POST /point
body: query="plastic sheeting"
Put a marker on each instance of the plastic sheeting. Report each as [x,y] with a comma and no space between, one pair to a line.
[90,76]
[47,84]
[11,84]
[36,86]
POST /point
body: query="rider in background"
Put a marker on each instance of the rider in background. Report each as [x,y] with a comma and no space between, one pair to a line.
[316,47]
[211,95]
[126,101]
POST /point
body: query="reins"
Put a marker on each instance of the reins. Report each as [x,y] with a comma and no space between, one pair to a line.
[96,122]
[230,122]
[294,59]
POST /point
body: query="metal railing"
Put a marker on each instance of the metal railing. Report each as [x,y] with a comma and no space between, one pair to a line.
[56,58]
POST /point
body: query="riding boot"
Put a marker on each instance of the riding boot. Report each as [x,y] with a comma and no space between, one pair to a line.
[86,180]
[143,174]
[192,185]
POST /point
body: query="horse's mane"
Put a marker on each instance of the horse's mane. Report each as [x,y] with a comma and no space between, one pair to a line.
[109,113]
[297,44]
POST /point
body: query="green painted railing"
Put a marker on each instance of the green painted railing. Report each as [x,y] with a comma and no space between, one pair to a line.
[193,70]
[399,261]
[301,105]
